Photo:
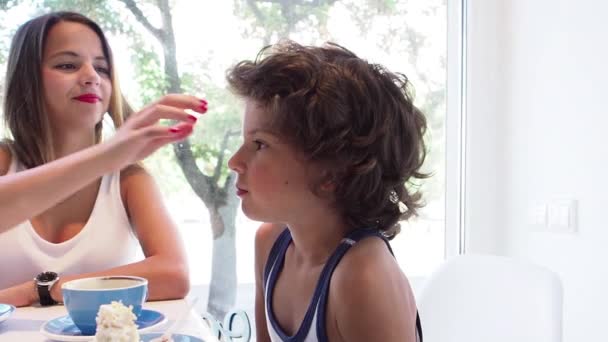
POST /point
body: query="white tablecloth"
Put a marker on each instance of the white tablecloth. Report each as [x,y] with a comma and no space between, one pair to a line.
[24,324]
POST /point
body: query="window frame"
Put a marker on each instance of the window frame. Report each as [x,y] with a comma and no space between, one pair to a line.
[456,129]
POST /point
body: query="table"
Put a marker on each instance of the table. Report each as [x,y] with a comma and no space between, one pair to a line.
[24,324]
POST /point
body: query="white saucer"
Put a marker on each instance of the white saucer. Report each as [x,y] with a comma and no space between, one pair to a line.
[175,337]
[63,328]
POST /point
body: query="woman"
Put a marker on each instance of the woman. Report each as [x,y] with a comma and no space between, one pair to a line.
[69,203]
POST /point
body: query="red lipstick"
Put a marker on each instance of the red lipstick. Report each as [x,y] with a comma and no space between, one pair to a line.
[88,98]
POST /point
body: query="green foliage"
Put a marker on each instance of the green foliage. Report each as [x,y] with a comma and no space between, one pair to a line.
[262,21]
[224,117]
[148,70]
[259,22]
[102,12]
[383,6]
[266,19]
[5,39]
[167,173]
[6,4]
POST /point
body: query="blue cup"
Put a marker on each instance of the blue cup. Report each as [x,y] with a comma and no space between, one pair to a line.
[83,297]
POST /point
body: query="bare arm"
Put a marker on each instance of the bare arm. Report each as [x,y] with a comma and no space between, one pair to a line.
[26,194]
[165,265]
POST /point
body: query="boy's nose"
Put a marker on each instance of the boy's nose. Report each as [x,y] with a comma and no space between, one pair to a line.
[235,164]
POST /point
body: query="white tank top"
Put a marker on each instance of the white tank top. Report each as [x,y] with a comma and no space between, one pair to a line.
[107,240]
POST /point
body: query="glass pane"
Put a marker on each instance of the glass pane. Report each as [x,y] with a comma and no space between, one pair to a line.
[406,36]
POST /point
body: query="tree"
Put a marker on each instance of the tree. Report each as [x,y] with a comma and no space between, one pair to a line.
[218,197]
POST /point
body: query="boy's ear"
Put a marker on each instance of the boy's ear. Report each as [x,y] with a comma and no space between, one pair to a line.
[328,183]
[328,186]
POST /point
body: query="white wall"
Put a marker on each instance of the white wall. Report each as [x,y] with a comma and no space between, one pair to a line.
[538,127]
[484,164]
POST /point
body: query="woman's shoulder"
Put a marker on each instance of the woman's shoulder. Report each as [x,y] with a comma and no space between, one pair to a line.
[133,170]
[133,179]
[132,175]
[5,157]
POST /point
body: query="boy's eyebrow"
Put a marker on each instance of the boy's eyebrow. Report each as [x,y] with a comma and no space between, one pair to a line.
[259,130]
[74,54]
[263,131]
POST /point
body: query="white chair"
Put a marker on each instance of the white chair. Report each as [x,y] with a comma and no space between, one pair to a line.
[484,298]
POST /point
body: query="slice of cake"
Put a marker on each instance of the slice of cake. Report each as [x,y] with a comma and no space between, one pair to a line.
[116,323]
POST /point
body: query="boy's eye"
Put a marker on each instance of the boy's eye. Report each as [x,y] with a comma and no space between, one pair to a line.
[260,144]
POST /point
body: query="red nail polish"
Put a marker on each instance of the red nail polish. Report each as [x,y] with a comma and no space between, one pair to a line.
[203,101]
[174,130]
[192,118]
[203,108]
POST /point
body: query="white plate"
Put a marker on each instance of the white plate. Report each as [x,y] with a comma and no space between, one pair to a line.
[63,328]
[6,310]
[176,337]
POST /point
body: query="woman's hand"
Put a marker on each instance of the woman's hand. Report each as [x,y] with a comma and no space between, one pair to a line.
[28,193]
[24,294]
[142,134]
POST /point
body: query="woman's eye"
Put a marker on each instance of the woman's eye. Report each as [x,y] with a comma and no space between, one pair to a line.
[66,66]
[103,70]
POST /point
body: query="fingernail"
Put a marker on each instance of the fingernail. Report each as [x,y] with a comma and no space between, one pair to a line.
[203,107]
[192,118]
[174,130]
[203,101]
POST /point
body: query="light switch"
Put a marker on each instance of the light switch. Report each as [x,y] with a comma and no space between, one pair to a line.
[538,216]
[561,216]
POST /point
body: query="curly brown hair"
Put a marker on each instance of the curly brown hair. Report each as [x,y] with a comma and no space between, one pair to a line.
[354,117]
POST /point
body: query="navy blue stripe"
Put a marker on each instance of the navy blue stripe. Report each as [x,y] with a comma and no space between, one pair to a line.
[304,328]
[319,300]
[356,236]
[274,251]
[333,262]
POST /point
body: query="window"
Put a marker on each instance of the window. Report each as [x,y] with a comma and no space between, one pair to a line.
[406,36]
